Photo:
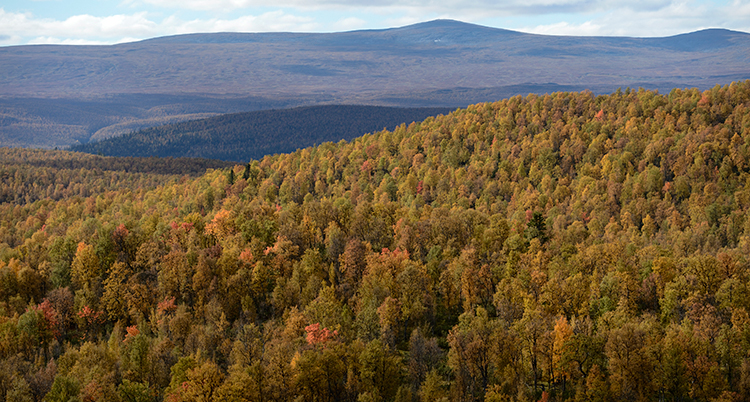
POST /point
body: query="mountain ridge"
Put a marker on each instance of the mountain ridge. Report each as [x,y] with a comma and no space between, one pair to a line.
[418,65]
[235,37]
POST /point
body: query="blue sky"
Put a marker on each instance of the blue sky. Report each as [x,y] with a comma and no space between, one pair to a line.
[115,21]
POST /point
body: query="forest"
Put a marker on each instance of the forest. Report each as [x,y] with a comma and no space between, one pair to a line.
[241,137]
[559,247]
[29,175]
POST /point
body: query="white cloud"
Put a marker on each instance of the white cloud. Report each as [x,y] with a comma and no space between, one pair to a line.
[739,13]
[79,26]
[271,21]
[6,40]
[587,28]
[47,40]
[202,5]
[349,24]
[511,7]
[741,6]
[677,17]
[23,28]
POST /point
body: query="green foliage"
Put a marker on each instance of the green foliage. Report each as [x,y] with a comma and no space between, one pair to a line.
[134,392]
[64,389]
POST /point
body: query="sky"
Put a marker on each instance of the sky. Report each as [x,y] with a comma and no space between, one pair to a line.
[116,21]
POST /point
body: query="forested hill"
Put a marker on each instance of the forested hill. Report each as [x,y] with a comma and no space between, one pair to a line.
[28,175]
[557,247]
[241,137]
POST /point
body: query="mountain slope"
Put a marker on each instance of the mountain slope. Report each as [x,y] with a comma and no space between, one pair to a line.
[244,136]
[442,54]
[403,66]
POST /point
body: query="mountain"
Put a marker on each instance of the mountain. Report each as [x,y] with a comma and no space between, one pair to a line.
[241,137]
[437,63]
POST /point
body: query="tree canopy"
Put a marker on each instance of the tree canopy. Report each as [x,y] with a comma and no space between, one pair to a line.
[557,247]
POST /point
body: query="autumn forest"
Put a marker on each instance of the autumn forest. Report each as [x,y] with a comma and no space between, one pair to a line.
[561,247]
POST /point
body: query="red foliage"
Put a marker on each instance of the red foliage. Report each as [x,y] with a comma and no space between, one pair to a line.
[132,332]
[585,217]
[318,336]
[167,306]
[90,315]
[705,100]
[246,256]
[367,167]
[184,226]
[49,313]
[120,232]
[398,254]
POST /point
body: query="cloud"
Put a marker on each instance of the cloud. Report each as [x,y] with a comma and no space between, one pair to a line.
[739,14]
[675,18]
[493,7]
[349,24]
[79,26]
[22,28]
[678,17]
[46,40]
[271,21]
[587,28]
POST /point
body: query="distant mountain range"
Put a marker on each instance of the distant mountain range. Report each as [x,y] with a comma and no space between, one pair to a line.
[53,95]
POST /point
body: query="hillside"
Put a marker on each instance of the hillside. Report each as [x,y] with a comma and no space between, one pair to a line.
[29,175]
[244,136]
[559,247]
[434,64]
[60,122]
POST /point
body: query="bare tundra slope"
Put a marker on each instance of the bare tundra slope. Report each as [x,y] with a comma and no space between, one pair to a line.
[99,91]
